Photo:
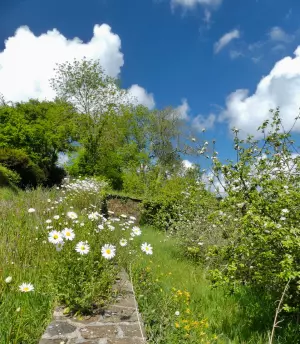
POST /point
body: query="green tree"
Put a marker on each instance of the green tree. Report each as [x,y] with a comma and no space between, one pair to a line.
[95,96]
[41,130]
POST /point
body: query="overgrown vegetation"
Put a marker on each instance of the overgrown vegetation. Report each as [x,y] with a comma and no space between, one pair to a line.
[64,250]
[234,251]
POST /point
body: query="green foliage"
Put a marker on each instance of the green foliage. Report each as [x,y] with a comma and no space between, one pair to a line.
[19,162]
[261,215]
[59,274]
[84,84]
[8,177]
[241,317]
[174,200]
[41,130]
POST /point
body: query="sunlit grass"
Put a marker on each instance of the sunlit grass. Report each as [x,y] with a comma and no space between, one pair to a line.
[78,281]
[241,318]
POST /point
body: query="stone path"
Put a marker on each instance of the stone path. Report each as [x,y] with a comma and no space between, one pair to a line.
[119,323]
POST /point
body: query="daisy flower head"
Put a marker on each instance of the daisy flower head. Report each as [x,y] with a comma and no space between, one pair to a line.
[136,231]
[132,218]
[82,247]
[55,237]
[123,242]
[56,217]
[31,210]
[108,251]
[147,248]
[72,215]
[26,287]
[68,234]
[48,221]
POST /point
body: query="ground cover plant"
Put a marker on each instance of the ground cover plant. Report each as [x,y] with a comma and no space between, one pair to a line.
[57,248]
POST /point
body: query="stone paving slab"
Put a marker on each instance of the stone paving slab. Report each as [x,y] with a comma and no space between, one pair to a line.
[118,323]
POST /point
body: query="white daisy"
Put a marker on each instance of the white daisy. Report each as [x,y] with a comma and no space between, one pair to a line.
[26,287]
[48,221]
[68,234]
[123,242]
[55,237]
[132,218]
[136,231]
[71,215]
[147,248]
[56,217]
[108,251]
[124,216]
[31,210]
[82,247]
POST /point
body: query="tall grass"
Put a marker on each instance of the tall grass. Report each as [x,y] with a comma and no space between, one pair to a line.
[83,283]
[240,318]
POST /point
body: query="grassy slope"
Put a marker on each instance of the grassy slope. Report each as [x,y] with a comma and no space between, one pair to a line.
[246,318]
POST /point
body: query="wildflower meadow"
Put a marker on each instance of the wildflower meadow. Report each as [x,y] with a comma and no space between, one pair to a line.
[57,248]
[91,184]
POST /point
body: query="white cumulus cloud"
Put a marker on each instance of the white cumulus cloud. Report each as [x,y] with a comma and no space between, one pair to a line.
[183,110]
[281,87]
[139,94]
[201,122]
[225,40]
[28,61]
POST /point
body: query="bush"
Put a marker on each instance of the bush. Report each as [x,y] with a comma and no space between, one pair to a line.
[16,160]
[8,177]
[262,211]
[179,199]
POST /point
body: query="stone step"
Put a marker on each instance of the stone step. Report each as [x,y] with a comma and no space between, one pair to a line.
[118,323]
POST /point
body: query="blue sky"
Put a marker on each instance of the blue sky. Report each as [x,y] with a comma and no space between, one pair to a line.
[198,52]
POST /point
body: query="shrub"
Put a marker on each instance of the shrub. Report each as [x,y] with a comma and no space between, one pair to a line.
[19,162]
[8,177]
[262,211]
[179,199]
